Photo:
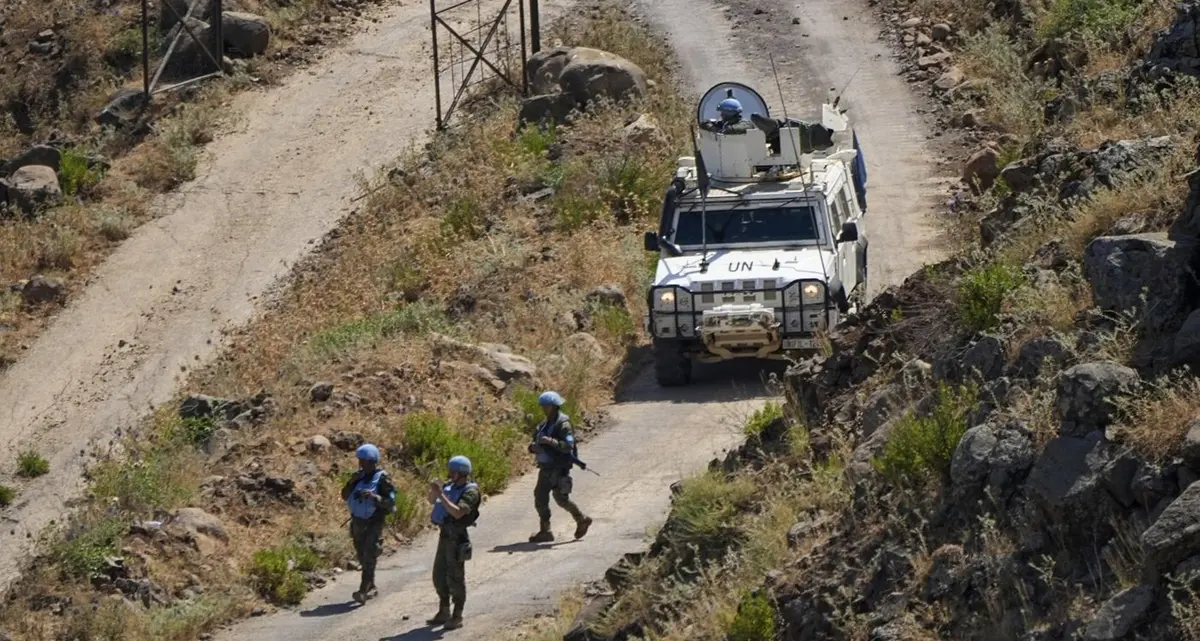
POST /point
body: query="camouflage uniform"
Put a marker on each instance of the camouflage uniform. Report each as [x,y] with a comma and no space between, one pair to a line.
[449,564]
[367,533]
[554,476]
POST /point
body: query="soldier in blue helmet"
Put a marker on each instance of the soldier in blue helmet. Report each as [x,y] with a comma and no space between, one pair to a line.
[554,445]
[731,121]
[455,508]
[370,496]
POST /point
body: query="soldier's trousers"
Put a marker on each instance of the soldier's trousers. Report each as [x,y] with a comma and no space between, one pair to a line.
[367,535]
[550,483]
[449,571]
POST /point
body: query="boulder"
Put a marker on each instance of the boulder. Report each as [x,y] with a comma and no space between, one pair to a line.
[34,187]
[1175,535]
[1175,49]
[933,60]
[1120,615]
[499,359]
[347,441]
[245,33]
[544,69]
[318,443]
[1191,445]
[644,131]
[556,108]
[950,79]
[196,521]
[170,12]
[121,108]
[609,295]
[190,56]
[1187,343]
[320,392]
[1089,393]
[981,169]
[992,456]
[43,155]
[1038,354]
[40,289]
[1119,268]
[984,359]
[880,407]
[1067,482]
[940,32]
[585,345]
[591,74]
[1151,484]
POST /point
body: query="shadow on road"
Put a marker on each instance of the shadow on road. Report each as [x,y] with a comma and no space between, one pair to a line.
[331,609]
[427,633]
[730,381]
[526,546]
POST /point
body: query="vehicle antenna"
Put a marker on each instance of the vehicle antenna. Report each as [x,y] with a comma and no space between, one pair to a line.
[845,87]
[702,184]
[812,217]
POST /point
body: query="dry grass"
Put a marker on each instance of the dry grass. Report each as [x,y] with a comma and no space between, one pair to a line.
[1156,423]
[1010,100]
[442,246]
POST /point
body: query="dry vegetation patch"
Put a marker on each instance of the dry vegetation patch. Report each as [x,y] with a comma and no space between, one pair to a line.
[526,237]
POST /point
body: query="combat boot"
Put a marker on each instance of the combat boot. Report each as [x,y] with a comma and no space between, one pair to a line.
[456,620]
[442,616]
[543,535]
[582,526]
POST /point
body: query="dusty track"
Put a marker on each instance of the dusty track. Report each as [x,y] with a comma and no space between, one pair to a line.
[159,306]
[659,436]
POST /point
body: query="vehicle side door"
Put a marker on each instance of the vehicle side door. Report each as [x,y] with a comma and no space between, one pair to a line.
[843,211]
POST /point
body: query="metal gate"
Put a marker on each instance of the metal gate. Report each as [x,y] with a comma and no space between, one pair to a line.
[483,52]
[206,48]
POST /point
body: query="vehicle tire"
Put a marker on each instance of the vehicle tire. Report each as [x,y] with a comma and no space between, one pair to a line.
[672,368]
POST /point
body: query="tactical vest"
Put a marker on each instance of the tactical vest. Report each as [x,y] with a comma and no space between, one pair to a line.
[364,508]
[549,456]
[440,516]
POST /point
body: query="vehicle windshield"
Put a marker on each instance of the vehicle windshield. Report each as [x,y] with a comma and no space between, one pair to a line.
[796,223]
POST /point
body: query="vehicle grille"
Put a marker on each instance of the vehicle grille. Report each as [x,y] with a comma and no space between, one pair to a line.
[709,295]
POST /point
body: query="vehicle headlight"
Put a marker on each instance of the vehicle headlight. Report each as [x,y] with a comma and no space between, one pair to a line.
[670,299]
[813,292]
[667,297]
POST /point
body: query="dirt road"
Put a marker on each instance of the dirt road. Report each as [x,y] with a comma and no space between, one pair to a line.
[652,442]
[265,193]
[658,436]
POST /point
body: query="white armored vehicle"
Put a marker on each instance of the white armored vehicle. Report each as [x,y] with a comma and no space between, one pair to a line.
[762,241]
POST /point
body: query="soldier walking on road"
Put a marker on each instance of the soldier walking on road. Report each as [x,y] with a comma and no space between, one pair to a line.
[455,508]
[370,496]
[554,445]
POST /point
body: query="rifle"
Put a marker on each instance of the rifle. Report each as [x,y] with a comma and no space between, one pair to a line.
[581,464]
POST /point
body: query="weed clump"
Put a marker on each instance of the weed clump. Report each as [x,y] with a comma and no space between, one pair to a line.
[278,572]
[763,417]
[432,441]
[82,554]
[981,295]
[30,464]
[7,495]
[755,619]
[920,448]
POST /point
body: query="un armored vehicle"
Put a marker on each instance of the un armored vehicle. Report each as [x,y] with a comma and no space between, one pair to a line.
[762,244]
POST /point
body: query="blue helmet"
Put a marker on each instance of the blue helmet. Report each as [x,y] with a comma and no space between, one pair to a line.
[551,398]
[729,107]
[460,464]
[368,452]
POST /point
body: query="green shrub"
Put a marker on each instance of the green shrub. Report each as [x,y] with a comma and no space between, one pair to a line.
[755,620]
[1106,20]
[75,174]
[7,495]
[708,504]
[413,318]
[154,478]
[763,417]
[197,429]
[616,322]
[81,554]
[30,464]
[277,572]
[920,448]
[981,294]
[431,441]
[535,140]
[465,218]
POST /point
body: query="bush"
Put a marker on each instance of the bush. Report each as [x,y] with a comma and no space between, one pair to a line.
[981,294]
[755,620]
[707,506]
[30,464]
[157,478]
[763,417]
[277,572]
[81,553]
[431,441]
[75,174]
[7,495]
[412,318]
[920,448]
[1106,20]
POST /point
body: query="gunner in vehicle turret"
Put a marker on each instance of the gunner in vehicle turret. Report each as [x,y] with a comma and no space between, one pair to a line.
[731,121]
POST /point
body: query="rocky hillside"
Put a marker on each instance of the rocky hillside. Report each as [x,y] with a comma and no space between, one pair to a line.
[79,163]
[1006,446]
[427,323]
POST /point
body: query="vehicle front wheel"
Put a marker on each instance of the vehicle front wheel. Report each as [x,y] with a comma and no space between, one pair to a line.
[672,367]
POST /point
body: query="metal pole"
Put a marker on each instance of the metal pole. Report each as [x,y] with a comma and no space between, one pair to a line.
[535,27]
[145,50]
[218,35]
[437,82]
[524,56]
